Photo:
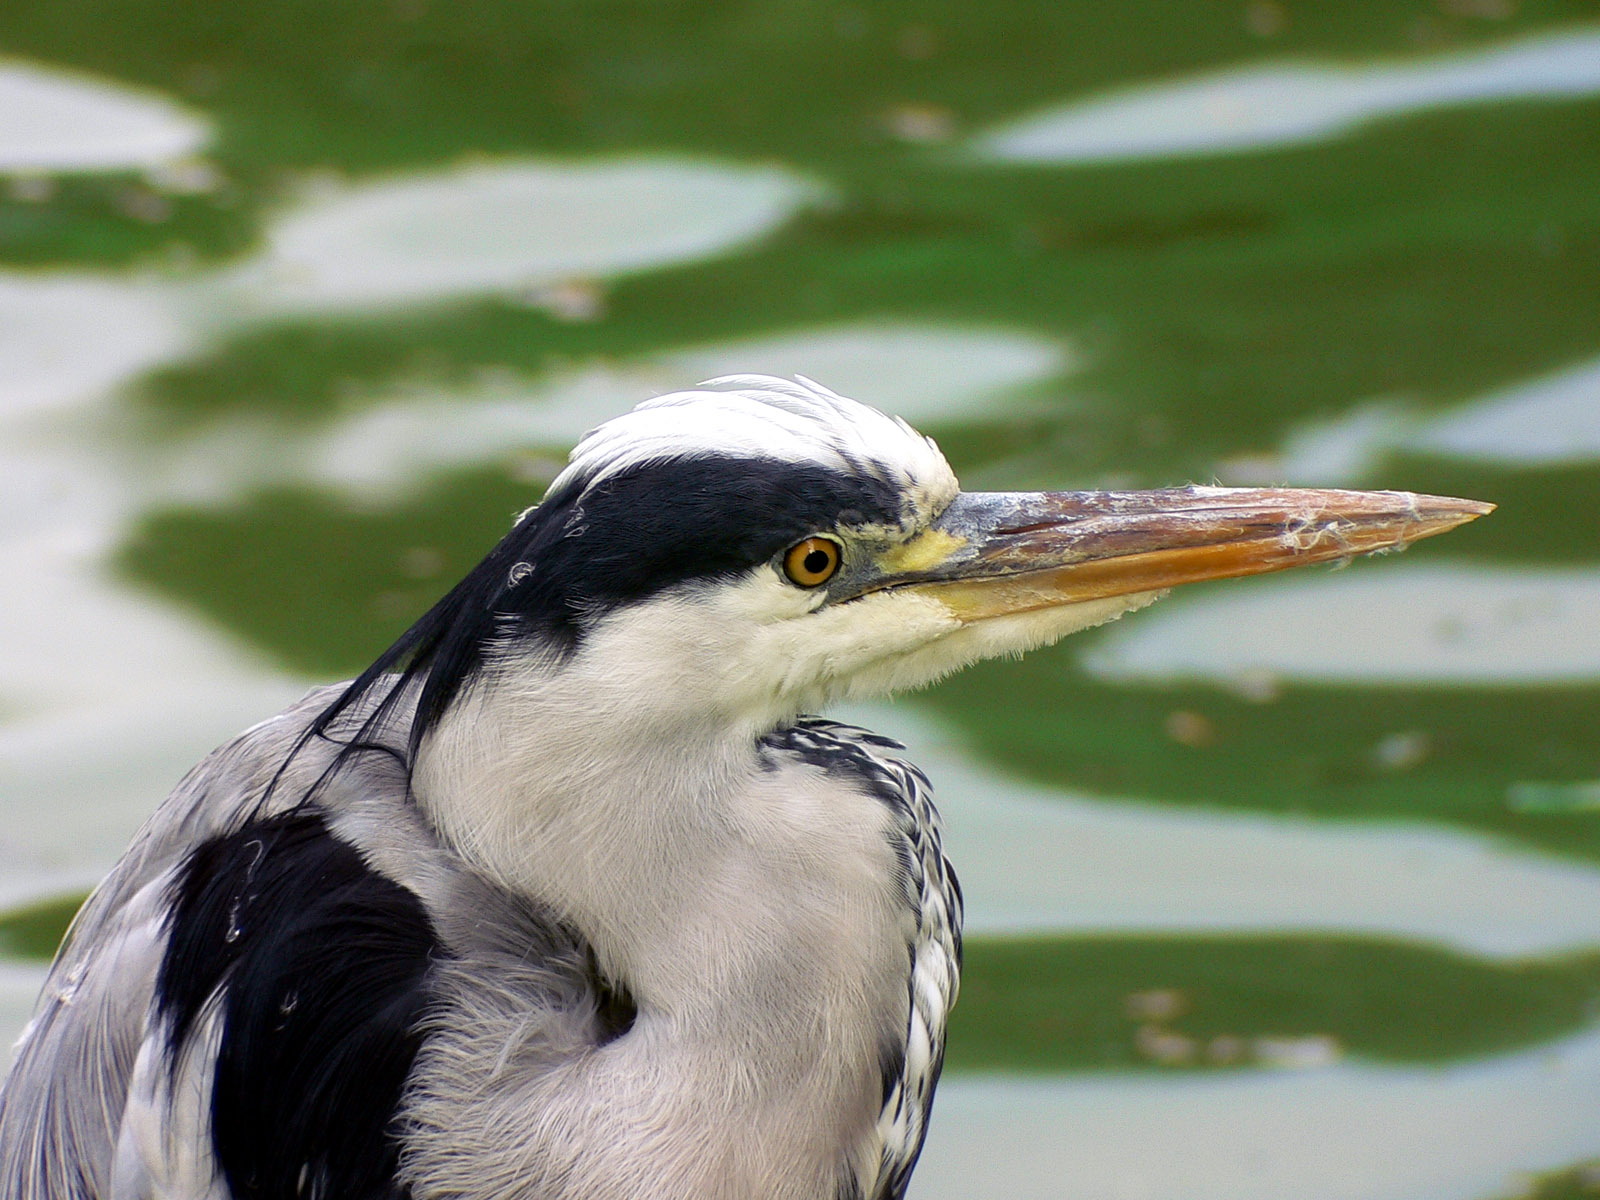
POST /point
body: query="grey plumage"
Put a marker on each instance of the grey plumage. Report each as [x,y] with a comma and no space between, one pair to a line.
[564,898]
[516,1001]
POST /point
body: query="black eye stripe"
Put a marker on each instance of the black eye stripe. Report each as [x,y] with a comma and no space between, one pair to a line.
[633,535]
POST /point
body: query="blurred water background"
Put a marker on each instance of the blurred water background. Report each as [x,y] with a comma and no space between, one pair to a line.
[1288,887]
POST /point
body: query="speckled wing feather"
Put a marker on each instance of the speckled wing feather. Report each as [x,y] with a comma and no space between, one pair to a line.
[933,901]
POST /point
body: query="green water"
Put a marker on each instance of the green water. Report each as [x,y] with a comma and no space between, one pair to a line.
[1213,305]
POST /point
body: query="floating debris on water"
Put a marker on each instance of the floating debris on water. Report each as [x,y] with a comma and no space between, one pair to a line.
[1164,1046]
[1192,729]
[1297,1053]
[1402,751]
[920,124]
[1157,1004]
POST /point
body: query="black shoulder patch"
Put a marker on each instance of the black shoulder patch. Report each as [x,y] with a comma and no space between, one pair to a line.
[322,965]
[615,1009]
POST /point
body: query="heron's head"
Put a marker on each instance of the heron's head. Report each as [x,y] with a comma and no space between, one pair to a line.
[758,547]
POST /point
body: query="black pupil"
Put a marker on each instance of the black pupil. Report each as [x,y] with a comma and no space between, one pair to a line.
[817,562]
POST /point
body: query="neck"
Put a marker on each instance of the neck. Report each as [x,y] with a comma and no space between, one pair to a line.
[753,912]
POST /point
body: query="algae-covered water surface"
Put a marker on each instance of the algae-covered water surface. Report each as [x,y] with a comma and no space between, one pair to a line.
[1288,887]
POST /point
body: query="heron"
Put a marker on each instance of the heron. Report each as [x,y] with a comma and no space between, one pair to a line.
[566,897]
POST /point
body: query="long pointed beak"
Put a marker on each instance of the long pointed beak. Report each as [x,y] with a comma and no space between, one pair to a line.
[993,553]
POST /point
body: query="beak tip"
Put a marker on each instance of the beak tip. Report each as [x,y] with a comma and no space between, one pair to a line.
[1448,512]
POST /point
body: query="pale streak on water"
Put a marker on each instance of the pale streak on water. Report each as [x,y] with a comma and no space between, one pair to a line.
[514,227]
[1553,420]
[1348,1132]
[1284,103]
[1390,623]
[400,441]
[54,120]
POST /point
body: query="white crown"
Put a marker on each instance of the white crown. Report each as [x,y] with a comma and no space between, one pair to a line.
[765,418]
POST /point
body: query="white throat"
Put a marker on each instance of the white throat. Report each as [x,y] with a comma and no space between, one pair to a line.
[753,911]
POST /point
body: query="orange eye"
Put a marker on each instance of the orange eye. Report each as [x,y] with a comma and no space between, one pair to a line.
[811,563]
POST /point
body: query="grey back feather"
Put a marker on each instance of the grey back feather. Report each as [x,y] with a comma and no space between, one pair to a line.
[65,1103]
[518,1003]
